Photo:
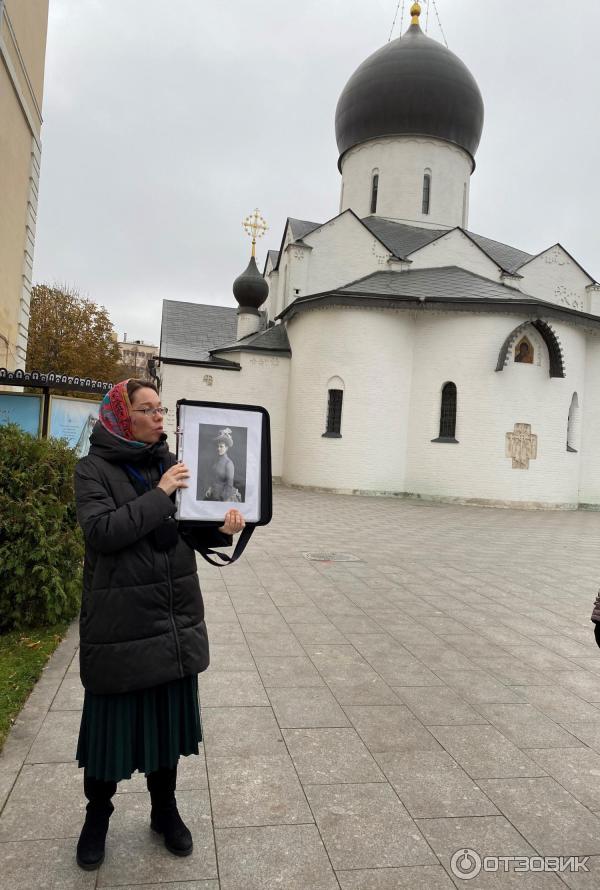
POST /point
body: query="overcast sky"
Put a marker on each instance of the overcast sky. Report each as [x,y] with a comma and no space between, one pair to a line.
[166,123]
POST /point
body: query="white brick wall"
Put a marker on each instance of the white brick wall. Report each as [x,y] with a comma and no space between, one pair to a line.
[589,406]
[263,380]
[342,251]
[371,351]
[554,277]
[401,162]
[593,298]
[279,281]
[464,348]
[394,365]
[247,323]
[335,254]
[272,305]
[456,249]
[298,258]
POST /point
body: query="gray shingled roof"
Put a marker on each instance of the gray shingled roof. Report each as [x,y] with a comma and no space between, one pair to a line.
[509,258]
[272,255]
[301,227]
[441,285]
[403,240]
[274,339]
[447,283]
[190,330]
[449,286]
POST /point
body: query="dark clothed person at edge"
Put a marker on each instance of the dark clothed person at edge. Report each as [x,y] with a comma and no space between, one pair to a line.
[143,636]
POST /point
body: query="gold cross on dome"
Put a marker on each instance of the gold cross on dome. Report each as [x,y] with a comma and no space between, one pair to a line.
[255,227]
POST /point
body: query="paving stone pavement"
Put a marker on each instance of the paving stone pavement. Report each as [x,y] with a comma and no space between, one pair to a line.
[363,720]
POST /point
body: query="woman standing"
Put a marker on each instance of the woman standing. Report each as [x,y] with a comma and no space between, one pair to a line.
[143,636]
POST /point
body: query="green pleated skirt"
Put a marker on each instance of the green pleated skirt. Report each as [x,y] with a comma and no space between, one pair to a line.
[144,730]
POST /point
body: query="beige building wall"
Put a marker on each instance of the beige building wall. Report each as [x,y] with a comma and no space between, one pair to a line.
[23,27]
[135,354]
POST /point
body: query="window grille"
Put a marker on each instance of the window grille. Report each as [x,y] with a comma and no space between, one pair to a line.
[448,412]
[374,190]
[334,411]
[426,192]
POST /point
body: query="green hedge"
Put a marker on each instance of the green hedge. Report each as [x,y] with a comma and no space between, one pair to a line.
[41,546]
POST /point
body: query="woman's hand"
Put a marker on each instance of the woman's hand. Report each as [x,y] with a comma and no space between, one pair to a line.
[174,478]
[234,523]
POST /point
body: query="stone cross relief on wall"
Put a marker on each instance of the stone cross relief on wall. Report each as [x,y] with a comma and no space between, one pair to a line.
[521,446]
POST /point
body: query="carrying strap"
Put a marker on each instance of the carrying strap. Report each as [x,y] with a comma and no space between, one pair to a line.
[239,549]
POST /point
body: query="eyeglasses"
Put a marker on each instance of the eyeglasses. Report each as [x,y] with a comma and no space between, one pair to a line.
[151,412]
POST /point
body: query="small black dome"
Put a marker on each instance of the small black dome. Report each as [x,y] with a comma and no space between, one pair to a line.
[250,289]
[412,86]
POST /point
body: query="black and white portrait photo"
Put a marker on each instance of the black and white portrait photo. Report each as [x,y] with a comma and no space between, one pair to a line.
[221,463]
[227,450]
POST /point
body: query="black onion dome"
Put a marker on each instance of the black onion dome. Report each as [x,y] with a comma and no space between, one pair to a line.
[250,289]
[412,86]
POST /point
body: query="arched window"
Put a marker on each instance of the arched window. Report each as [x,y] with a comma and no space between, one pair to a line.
[374,190]
[573,424]
[335,398]
[426,191]
[448,414]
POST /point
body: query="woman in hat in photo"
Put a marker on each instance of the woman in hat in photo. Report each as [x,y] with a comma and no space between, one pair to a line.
[142,630]
[222,472]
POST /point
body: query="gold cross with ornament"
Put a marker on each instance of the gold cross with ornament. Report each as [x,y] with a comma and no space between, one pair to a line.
[255,227]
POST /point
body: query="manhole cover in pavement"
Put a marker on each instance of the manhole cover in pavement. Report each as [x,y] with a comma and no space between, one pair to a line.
[332,557]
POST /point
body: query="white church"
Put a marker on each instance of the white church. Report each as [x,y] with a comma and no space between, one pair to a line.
[397,352]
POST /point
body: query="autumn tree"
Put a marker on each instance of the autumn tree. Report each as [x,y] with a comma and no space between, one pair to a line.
[70,334]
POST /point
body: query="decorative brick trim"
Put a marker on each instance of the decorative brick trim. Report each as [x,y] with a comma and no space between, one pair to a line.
[548,334]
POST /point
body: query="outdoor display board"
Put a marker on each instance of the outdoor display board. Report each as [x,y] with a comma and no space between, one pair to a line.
[23,409]
[73,420]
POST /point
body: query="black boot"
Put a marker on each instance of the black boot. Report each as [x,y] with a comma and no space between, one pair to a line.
[164,816]
[90,847]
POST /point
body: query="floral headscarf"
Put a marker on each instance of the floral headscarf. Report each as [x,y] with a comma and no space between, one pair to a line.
[115,412]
